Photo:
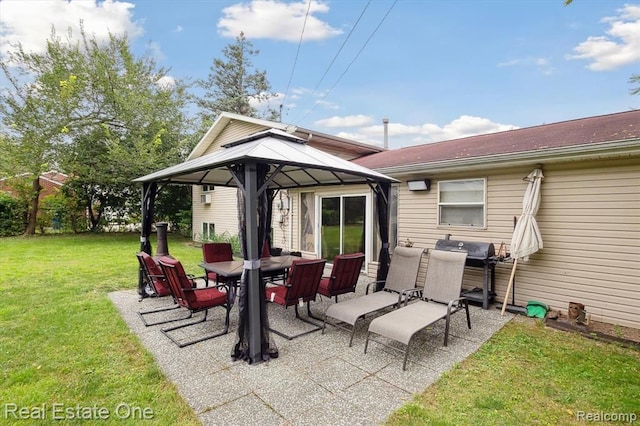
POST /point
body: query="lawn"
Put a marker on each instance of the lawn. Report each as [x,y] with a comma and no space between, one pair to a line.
[63,345]
[530,374]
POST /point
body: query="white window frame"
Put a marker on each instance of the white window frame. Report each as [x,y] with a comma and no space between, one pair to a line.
[206,230]
[482,204]
[207,188]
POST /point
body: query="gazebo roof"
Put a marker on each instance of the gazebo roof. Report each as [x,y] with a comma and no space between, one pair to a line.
[292,162]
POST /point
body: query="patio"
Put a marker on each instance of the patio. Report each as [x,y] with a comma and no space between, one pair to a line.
[317,378]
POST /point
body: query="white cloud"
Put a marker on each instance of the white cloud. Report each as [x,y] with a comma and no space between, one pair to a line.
[348,121]
[276,20]
[542,64]
[178,29]
[406,134]
[621,45]
[166,82]
[155,51]
[29,23]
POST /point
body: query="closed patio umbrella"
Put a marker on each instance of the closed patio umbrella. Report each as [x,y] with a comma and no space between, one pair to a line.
[526,237]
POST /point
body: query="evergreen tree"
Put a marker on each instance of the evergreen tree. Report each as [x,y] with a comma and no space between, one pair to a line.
[233,84]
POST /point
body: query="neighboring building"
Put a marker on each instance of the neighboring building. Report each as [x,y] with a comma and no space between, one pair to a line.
[589,215]
[51,182]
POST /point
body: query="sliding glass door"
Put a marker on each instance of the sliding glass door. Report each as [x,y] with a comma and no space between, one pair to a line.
[343,225]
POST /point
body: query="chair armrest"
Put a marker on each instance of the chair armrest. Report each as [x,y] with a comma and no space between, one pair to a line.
[369,285]
[218,286]
[410,294]
[451,302]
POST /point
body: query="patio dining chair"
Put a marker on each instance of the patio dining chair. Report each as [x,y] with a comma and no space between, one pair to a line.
[300,287]
[344,275]
[158,286]
[216,252]
[194,299]
[441,298]
[402,275]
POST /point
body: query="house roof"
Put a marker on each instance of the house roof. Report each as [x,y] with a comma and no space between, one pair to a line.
[292,164]
[53,176]
[567,139]
[318,139]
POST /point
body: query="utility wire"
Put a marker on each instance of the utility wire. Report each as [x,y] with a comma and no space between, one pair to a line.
[341,47]
[295,61]
[352,62]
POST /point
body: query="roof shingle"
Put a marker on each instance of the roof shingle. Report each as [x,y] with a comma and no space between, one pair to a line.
[584,131]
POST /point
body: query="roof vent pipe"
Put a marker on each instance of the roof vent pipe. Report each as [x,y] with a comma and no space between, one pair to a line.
[385,123]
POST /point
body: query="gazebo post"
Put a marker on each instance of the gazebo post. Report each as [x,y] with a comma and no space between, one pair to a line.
[253,264]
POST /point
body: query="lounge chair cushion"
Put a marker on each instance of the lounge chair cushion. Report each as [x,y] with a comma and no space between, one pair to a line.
[402,324]
[350,310]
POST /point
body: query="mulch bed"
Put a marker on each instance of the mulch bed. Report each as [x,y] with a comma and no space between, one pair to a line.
[625,336]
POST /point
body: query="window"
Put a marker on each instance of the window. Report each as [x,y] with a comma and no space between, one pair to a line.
[461,202]
[208,231]
[207,188]
[343,225]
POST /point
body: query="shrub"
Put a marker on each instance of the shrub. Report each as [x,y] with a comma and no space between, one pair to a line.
[13,216]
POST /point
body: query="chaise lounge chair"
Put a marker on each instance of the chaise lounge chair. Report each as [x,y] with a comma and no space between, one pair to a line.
[403,272]
[441,298]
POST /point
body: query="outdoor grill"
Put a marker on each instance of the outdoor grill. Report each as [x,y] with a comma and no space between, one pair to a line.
[479,255]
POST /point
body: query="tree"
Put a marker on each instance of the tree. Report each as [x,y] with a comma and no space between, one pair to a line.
[98,112]
[34,108]
[232,85]
[144,128]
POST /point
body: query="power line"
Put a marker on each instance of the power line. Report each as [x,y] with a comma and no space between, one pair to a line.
[353,61]
[341,47]
[295,61]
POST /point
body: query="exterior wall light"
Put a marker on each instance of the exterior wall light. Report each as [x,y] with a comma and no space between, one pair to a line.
[419,185]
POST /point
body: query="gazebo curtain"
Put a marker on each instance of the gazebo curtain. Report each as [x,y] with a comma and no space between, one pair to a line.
[241,348]
[149,192]
[382,204]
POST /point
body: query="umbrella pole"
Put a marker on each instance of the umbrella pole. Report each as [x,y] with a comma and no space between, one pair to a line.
[506,296]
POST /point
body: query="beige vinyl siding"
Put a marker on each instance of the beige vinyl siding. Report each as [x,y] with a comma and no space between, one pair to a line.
[589,218]
[590,222]
[232,133]
[222,211]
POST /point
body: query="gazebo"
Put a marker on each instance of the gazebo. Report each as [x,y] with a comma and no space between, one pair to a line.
[259,165]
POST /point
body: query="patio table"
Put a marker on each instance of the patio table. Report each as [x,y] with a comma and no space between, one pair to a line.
[231,270]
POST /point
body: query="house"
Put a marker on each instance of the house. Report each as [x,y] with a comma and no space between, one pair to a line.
[589,215]
[214,208]
[50,182]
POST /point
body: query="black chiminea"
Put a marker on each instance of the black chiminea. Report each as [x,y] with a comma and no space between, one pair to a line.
[163,248]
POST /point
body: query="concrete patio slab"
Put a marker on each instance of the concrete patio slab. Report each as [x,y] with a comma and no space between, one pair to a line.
[317,379]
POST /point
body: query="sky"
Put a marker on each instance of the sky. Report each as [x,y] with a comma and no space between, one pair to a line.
[436,69]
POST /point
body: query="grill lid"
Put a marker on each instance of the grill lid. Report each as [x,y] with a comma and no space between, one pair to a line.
[474,249]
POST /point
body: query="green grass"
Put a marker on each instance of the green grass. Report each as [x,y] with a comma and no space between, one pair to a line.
[62,341]
[530,374]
